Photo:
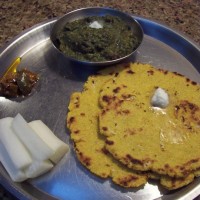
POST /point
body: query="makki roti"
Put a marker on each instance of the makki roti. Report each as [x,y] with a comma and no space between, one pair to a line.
[171,183]
[143,137]
[82,120]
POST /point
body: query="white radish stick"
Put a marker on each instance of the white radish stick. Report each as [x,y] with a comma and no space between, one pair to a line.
[15,174]
[38,149]
[58,146]
[38,168]
[14,147]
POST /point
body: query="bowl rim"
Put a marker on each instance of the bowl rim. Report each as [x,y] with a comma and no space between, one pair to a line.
[107,62]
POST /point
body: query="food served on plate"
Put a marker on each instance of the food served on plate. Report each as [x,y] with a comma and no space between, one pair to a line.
[117,112]
[97,38]
[19,83]
[28,150]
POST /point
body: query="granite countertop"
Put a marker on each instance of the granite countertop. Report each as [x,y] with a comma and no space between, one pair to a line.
[18,15]
[182,15]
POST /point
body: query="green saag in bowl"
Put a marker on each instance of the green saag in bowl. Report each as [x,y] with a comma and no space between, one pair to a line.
[97,36]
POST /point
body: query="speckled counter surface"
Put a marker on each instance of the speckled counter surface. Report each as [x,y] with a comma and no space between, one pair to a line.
[18,15]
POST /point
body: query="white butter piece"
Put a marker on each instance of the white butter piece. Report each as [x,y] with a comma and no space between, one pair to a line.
[95,24]
[12,144]
[58,146]
[160,98]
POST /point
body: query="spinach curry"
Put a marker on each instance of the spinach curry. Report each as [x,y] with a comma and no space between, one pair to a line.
[111,39]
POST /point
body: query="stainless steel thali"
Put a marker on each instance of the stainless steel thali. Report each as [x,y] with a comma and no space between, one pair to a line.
[69,180]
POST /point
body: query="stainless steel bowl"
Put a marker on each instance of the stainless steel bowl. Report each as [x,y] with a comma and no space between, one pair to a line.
[96,11]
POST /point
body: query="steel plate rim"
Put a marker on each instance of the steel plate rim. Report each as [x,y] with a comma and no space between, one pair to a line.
[163,25]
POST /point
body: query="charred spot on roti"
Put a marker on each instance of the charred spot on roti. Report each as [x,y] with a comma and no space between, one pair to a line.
[71,120]
[161,171]
[165,72]
[175,93]
[187,79]
[123,112]
[166,166]
[116,90]
[189,110]
[108,99]
[194,83]
[193,161]
[120,102]
[104,175]
[104,111]
[104,128]
[116,74]
[126,180]
[134,160]
[105,151]
[129,132]
[127,96]
[150,72]
[84,159]
[76,131]
[109,142]
[130,71]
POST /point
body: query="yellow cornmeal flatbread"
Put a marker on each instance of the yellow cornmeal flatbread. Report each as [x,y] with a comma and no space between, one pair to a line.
[175,183]
[165,141]
[82,120]
[172,183]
